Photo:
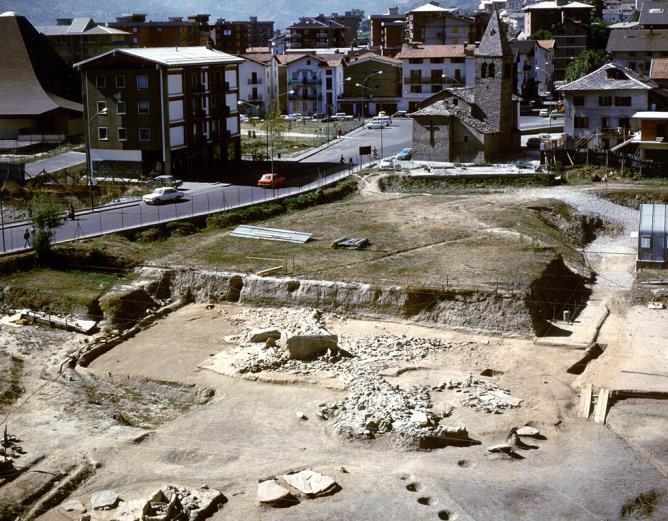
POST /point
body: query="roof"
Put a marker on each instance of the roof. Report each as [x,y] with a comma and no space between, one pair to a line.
[553,5]
[67,30]
[623,79]
[255,58]
[647,114]
[332,60]
[659,69]
[465,93]
[35,79]
[432,51]
[494,42]
[638,40]
[653,14]
[370,56]
[441,108]
[523,46]
[431,7]
[173,56]
[623,25]
[315,23]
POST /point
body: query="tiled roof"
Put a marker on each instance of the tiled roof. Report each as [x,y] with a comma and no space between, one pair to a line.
[174,56]
[638,40]
[553,5]
[441,108]
[659,69]
[610,77]
[260,59]
[494,42]
[465,93]
[432,51]
[375,57]
[316,23]
[653,14]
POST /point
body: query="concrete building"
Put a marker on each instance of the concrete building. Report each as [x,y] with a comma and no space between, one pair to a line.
[659,72]
[165,109]
[524,55]
[311,33]
[600,106]
[255,83]
[636,47]
[382,92]
[76,39]
[387,31]
[652,138]
[237,36]
[40,95]
[478,123]
[351,21]
[170,33]
[653,236]
[549,15]
[431,24]
[427,69]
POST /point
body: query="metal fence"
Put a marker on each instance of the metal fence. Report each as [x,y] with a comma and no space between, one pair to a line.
[624,162]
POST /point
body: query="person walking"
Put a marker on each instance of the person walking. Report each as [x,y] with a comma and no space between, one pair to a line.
[26,238]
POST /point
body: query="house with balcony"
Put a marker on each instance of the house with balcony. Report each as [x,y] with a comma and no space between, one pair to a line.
[76,39]
[175,31]
[172,110]
[318,32]
[652,138]
[254,83]
[387,31]
[431,24]
[601,105]
[382,90]
[428,69]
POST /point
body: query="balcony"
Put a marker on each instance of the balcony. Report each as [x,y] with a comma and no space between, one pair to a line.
[294,36]
[255,97]
[304,81]
[255,81]
[434,81]
[321,35]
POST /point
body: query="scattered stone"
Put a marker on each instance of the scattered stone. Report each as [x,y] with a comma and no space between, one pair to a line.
[528,431]
[73,505]
[271,492]
[204,486]
[301,416]
[311,483]
[307,347]
[501,447]
[262,335]
[104,499]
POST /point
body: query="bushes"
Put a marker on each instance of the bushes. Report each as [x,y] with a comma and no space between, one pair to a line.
[256,212]
[181,228]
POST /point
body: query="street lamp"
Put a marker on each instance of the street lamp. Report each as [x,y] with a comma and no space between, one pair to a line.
[270,111]
[446,78]
[359,85]
[101,112]
[364,85]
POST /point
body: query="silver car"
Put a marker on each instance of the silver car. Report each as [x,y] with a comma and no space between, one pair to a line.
[163,195]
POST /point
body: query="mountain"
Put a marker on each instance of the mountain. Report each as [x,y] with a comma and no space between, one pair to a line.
[283,12]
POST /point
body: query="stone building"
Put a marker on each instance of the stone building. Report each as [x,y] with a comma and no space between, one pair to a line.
[477,123]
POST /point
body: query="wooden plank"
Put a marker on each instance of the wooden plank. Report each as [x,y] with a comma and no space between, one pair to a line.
[269,271]
[585,401]
[601,406]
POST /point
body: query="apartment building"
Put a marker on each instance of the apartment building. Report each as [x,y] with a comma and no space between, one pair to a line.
[254,83]
[431,24]
[76,39]
[380,87]
[549,15]
[237,36]
[427,69]
[318,32]
[387,31]
[175,31]
[172,110]
[600,106]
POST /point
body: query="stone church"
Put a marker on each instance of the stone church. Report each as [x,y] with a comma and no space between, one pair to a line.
[473,124]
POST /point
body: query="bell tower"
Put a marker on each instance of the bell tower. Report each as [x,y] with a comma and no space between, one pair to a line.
[494,76]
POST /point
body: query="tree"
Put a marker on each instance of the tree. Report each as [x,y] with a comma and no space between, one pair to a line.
[45,215]
[587,61]
[541,35]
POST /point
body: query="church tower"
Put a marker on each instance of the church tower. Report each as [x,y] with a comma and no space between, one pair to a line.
[494,76]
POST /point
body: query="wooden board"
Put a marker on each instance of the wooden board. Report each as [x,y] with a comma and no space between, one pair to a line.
[584,408]
[602,406]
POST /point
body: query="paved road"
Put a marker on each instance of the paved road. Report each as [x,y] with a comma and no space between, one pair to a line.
[52,164]
[534,122]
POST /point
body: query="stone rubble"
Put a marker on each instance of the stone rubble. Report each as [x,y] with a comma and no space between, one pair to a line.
[311,483]
[481,395]
[270,492]
[104,499]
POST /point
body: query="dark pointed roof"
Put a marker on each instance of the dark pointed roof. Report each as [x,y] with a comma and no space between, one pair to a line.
[494,42]
[34,78]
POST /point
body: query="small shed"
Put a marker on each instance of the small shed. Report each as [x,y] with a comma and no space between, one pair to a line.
[653,236]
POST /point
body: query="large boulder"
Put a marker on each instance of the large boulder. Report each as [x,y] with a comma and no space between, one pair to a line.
[307,347]
[270,492]
[311,483]
[104,499]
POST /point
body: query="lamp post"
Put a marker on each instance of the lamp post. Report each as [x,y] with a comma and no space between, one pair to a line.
[90,156]
[364,85]
[270,110]
[547,76]
[446,78]
[381,124]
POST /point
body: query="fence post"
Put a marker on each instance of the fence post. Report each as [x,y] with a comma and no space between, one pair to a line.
[208,203]
[122,224]
[192,204]
[100,216]
[140,221]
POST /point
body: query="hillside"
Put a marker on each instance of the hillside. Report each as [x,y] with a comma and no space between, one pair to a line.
[283,12]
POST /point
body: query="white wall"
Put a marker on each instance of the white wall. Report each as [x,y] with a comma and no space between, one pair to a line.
[175,84]
[246,70]
[176,110]
[231,78]
[231,101]
[233,125]
[176,137]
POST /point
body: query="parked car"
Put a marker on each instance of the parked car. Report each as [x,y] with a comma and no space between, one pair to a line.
[386,164]
[167,180]
[534,143]
[405,154]
[555,114]
[319,115]
[386,120]
[375,123]
[401,114]
[163,195]
[544,113]
[271,180]
[340,116]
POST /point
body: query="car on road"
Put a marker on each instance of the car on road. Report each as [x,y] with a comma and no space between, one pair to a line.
[271,180]
[405,154]
[386,164]
[167,180]
[163,195]
[340,116]
[544,113]
[375,123]
[292,117]
[401,114]
[555,114]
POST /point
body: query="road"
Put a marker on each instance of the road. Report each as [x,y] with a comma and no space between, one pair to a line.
[55,163]
[537,122]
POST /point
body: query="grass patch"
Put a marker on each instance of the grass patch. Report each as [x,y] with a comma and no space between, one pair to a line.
[641,506]
[634,197]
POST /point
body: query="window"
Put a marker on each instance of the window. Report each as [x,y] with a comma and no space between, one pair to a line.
[436,60]
[581,122]
[645,242]
[624,122]
[120,108]
[455,101]
[483,71]
[144,134]
[122,134]
[466,139]
[414,60]
[623,101]
[102,134]
[143,107]
[578,101]
[100,82]
[120,82]
[416,89]
[436,88]
[605,101]
[101,107]
[604,123]
[455,30]
[456,60]
[491,70]
[142,81]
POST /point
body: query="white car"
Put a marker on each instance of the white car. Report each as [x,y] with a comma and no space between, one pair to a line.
[243,118]
[163,195]
[375,123]
[386,164]
[340,116]
[544,113]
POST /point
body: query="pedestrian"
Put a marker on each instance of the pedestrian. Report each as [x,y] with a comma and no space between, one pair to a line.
[70,211]
[342,160]
[26,237]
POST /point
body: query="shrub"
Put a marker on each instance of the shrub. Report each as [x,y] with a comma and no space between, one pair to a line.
[301,201]
[151,235]
[256,212]
[181,228]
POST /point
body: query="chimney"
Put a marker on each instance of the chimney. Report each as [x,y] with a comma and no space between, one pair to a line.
[393,11]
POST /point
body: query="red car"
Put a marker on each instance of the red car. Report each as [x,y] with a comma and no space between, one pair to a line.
[271,181]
